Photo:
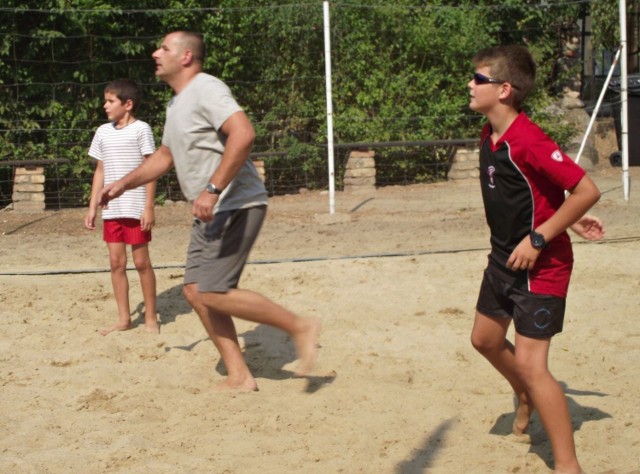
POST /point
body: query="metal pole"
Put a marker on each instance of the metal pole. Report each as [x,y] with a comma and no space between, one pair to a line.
[597,108]
[327,62]
[624,109]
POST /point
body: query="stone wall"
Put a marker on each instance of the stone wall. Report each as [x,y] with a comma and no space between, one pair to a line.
[465,164]
[28,189]
[360,171]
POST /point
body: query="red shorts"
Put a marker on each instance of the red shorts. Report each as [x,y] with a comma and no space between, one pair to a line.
[125,230]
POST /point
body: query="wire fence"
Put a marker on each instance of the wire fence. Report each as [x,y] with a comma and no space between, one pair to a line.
[77,51]
[397,163]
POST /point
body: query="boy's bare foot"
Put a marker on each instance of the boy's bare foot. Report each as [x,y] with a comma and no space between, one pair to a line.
[306,342]
[524,410]
[115,327]
[152,327]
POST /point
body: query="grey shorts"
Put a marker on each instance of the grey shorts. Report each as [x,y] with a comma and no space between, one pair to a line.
[505,295]
[219,249]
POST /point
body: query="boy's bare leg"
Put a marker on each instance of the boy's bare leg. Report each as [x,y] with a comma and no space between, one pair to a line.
[143,265]
[120,283]
[489,338]
[549,400]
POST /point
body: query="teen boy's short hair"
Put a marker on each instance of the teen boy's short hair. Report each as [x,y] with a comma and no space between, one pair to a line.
[125,89]
[513,64]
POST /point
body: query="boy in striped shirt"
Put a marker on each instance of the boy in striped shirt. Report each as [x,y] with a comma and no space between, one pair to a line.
[119,147]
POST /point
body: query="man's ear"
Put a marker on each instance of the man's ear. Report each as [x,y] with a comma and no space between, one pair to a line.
[128,105]
[187,57]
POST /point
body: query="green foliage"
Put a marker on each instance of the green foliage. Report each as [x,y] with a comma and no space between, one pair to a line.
[400,73]
[606,23]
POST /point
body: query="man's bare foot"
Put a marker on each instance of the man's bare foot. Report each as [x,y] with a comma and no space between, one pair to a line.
[524,410]
[247,385]
[306,342]
[115,327]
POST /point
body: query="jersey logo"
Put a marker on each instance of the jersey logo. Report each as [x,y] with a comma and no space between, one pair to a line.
[556,155]
[491,171]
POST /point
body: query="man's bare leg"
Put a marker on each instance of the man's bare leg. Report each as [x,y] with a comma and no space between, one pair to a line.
[222,332]
[489,338]
[120,283]
[214,310]
[252,306]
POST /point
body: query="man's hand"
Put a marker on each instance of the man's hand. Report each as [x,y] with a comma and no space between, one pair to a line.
[589,228]
[109,192]
[202,207]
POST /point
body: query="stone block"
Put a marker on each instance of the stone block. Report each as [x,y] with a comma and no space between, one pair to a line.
[28,188]
[360,173]
[360,162]
[29,171]
[28,206]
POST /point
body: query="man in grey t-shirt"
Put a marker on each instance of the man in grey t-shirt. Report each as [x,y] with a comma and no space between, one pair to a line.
[208,138]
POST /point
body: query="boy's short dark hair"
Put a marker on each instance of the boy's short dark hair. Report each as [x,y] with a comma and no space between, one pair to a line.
[125,89]
[513,64]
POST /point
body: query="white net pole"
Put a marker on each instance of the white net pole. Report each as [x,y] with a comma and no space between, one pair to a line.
[327,59]
[624,113]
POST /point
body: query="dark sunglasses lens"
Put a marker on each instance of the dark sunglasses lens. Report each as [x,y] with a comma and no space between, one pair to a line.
[480,79]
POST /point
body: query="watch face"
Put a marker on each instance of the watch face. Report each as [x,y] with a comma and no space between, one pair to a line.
[537,241]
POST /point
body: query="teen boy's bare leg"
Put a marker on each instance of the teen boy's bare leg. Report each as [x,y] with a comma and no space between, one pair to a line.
[120,283]
[142,262]
[489,338]
[254,307]
[549,400]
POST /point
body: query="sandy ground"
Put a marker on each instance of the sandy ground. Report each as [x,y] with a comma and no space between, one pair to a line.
[393,274]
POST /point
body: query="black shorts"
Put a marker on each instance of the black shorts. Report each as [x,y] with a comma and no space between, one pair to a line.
[505,295]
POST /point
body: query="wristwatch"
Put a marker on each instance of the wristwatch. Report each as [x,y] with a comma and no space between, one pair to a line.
[537,240]
[212,189]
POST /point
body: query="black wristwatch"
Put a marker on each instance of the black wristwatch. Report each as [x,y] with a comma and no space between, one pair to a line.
[537,240]
[213,189]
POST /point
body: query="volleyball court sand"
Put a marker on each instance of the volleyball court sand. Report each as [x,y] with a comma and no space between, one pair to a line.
[398,389]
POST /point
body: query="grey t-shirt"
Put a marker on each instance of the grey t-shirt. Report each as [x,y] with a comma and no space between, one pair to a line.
[191,132]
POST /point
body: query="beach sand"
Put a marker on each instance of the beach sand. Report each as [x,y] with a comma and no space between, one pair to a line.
[394,275]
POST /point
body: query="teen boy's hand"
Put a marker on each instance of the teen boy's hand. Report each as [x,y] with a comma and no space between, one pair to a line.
[524,256]
[589,228]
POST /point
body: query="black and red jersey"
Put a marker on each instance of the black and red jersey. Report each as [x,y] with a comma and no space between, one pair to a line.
[523,177]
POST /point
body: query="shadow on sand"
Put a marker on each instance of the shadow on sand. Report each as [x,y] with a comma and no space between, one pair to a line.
[267,350]
[540,444]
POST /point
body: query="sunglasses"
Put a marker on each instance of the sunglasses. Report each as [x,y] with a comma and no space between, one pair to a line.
[480,79]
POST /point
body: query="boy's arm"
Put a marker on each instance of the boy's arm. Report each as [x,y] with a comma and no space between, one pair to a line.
[148,219]
[581,198]
[151,169]
[96,186]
